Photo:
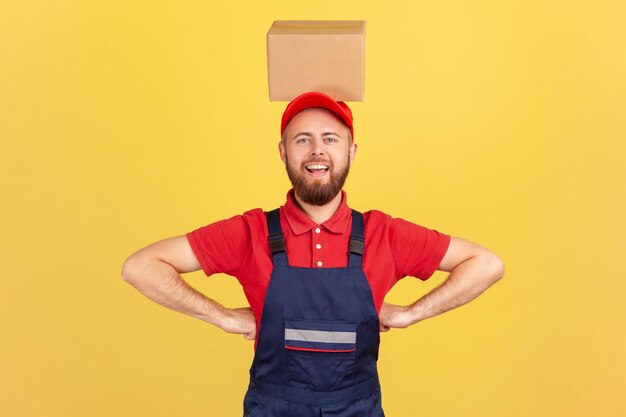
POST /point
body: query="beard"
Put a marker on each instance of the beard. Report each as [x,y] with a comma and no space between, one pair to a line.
[313,191]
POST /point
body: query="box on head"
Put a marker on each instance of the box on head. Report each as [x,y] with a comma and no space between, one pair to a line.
[327,56]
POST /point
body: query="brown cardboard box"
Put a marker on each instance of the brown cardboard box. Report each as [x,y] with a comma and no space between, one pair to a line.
[309,55]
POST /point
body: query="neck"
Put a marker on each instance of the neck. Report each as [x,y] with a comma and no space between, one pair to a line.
[319,214]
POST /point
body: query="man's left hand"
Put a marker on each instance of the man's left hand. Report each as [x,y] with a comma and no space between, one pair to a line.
[394,316]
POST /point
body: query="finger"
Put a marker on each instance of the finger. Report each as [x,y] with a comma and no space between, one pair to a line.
[251,335]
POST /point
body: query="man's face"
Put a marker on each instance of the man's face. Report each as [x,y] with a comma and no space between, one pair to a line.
[317,152]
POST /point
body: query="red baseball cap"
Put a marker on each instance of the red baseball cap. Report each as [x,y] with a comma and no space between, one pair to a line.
[315,99]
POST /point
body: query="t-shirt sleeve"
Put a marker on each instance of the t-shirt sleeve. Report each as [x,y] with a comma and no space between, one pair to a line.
[223,246]
[417,250]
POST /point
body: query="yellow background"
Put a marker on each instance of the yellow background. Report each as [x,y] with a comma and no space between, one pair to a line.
[126,122]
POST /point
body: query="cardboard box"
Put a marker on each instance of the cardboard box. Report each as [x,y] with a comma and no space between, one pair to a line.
[309,55]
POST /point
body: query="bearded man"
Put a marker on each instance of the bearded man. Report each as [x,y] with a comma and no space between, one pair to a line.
[315,273]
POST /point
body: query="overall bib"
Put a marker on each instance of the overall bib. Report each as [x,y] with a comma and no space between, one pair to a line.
[317,345]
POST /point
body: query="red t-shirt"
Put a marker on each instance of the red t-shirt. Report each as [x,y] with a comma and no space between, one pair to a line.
[394,248]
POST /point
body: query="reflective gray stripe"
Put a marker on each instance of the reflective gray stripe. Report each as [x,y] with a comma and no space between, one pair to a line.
[320,336]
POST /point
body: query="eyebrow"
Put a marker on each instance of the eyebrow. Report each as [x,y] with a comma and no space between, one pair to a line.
[311,134]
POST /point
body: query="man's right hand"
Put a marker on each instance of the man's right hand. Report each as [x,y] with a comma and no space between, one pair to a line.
[155,271]
[239,321]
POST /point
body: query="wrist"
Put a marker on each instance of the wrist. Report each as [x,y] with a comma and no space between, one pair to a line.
[416,313]
[217,315]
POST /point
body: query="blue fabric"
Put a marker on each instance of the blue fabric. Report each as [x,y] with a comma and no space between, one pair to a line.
[317,346]
[332,326]
[286,382]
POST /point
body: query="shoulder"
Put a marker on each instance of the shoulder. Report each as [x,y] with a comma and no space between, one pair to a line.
[254,217]
[416,250]
[244,223]
[377,222]
[256,222]
[252,223]
[376,219]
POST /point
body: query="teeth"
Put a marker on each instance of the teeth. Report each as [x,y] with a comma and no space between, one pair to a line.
[317,166]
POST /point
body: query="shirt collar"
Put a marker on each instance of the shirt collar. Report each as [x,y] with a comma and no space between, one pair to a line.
[300,222]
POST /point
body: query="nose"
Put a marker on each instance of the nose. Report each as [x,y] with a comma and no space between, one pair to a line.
[317,147]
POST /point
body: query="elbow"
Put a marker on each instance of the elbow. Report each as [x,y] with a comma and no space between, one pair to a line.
[139,267]
[126,274]
[496,266]
[492,265]
[129,268]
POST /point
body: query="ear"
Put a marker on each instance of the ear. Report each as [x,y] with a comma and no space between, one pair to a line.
[281,150]
[352,151]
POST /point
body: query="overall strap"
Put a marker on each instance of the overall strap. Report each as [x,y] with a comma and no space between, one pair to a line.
[357,240]
[276,238]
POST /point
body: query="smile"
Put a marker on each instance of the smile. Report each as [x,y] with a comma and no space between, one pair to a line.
[317,170]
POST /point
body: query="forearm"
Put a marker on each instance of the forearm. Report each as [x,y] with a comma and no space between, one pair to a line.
[466,281]
[161,283]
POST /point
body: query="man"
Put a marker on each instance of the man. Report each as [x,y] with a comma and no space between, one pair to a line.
[315,274]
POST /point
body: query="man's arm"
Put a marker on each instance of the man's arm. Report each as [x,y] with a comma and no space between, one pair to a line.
[472,269]
[154,271]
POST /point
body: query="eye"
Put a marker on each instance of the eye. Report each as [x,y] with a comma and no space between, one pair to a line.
[330,139]
[302,139]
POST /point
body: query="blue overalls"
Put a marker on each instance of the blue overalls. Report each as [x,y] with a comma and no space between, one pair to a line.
[317,345]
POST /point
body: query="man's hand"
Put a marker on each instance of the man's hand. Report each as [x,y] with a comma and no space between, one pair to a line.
[155,272]
[239,321]
[394,316]
[472,269]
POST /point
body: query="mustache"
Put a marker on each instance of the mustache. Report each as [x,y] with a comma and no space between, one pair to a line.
[317,161]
